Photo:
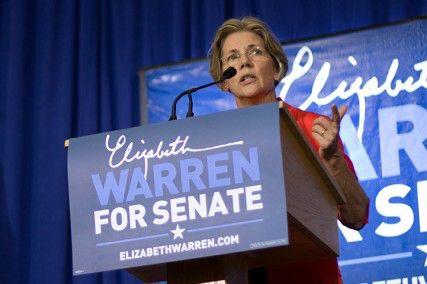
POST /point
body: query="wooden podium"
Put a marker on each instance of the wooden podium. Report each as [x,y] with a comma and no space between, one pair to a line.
[312,196]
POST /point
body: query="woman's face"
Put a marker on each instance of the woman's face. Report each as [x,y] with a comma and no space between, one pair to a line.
[255,67]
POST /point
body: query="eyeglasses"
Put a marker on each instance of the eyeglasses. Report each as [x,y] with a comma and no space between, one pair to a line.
[254,52]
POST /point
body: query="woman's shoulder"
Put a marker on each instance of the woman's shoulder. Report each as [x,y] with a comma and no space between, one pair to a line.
[303,118]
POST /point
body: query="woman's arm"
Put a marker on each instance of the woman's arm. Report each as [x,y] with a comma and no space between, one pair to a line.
[325,131]
[354,213]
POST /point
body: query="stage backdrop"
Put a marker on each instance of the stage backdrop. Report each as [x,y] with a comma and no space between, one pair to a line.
[381,74]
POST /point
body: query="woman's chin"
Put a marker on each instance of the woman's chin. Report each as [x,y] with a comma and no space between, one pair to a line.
[254,98]
[255,94]
[250,93]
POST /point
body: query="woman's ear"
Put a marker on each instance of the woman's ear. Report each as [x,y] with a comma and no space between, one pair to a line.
[276,76]
[278,70]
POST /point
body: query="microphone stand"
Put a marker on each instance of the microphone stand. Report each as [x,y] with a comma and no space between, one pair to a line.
[228,73]
[188,92]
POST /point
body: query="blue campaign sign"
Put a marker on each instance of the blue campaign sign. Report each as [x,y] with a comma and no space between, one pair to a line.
[381,75]
[177,190]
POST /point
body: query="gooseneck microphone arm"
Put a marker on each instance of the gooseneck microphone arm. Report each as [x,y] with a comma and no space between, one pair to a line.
[227,74]
[188,92]
[190,112]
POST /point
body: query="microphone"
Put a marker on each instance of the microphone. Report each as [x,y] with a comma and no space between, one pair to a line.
[227,74]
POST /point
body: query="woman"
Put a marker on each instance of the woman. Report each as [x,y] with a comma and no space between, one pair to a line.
[248,45]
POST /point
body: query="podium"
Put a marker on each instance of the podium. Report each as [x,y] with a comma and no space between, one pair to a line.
[312,196]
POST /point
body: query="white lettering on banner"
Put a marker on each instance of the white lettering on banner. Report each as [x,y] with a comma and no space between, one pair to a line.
[179,146]
[177,207]
[399,210]
[198,206]
[115,219]
[391,142]
[356,151]
[158,211]
[193,207]
[413,280]
[175,248]
[251,197]
[217,205]
[136,215]
[99,221]
[422,204]
[350,235]
[345,89]
[423,248]
[181,209]
[234,193]
[120,218]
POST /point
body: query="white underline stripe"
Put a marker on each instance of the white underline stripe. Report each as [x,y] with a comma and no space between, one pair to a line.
[225,225]
[131,240]
[374,258]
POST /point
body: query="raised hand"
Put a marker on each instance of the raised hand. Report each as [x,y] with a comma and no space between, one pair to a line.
[326,130]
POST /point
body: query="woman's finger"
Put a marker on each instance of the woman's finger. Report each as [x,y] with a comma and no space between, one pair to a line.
[325,126]
[335,114]
[342,110]
[324,122]
[319,129]
[322,141]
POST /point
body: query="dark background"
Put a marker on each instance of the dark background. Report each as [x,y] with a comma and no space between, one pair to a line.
[69,68]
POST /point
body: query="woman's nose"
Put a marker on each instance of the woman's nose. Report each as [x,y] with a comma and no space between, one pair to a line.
[245,61]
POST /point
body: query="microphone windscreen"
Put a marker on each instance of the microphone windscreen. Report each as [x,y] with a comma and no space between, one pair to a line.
[229,73]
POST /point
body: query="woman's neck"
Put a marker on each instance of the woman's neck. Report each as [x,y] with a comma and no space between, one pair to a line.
[243,102]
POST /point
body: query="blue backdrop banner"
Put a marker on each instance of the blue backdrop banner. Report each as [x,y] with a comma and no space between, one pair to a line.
[381,74]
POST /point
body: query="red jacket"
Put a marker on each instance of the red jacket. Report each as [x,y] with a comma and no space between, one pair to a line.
[313,272]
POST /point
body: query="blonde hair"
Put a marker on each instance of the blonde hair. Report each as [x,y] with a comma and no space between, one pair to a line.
[249,24]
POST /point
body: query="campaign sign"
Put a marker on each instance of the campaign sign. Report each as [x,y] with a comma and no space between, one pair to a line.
[177,190]
[381,75]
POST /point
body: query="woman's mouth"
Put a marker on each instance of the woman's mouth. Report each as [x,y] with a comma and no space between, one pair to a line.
[247,79]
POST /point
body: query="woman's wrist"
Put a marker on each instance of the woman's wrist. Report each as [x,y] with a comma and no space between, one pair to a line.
[335,163]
